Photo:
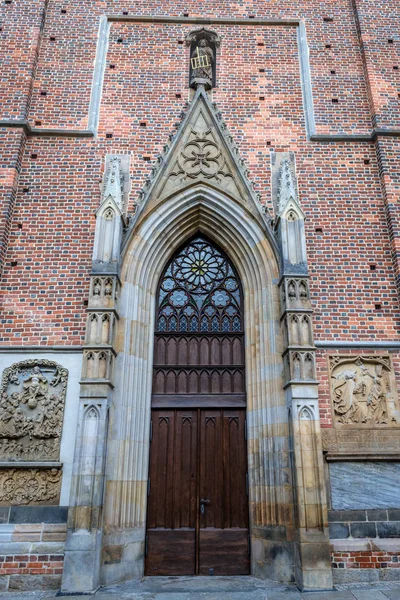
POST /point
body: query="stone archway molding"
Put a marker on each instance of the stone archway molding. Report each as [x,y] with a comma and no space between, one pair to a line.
[288,515]
[243,236]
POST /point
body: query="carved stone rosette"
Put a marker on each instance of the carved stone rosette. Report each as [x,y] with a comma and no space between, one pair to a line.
[363,391]
[32,411]
[19,487]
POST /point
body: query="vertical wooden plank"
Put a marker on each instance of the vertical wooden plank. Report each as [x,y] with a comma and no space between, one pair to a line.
[172,351]
[172,505]
[204,350]
[185,470]
[160,464]
[211,468]
[235,469]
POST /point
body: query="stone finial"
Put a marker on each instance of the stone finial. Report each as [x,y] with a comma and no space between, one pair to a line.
[285,194]
[287,188]
[113,182]
[116,182]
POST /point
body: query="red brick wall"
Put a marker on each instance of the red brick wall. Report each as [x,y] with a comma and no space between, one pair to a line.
[365,560]
[349,189]
[31,564]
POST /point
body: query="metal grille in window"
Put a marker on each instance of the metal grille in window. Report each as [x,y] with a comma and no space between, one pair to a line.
[199,292]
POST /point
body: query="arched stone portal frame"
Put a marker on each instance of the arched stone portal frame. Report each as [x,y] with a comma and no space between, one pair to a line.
[247,241]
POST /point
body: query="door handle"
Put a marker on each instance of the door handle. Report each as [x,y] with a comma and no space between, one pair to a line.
[203,503]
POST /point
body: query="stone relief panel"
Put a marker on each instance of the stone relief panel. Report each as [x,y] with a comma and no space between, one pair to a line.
[363,391]
[19,487]
[360,441]
[32,411]
[203,157]
[202,152]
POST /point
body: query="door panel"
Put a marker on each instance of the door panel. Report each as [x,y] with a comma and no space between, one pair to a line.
[172,508]
[223,531]
[198,449]
[170,552]
[197,509]
[224,552]
[211,468]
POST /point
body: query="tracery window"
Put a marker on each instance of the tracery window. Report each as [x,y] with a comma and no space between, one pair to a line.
[199,292]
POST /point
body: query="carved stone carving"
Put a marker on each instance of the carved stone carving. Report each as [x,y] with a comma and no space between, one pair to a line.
[103,292]
[116,183]
[201,156]
[329,440]
[29,486]
[32,410]
[287,189]
[100,327]
[300,366]
[98,364]
[284,181]
[202,57]
[363,391]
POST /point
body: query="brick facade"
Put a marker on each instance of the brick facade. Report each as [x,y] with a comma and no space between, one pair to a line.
[348,168]
[56,179]
[365,560]
[31,564]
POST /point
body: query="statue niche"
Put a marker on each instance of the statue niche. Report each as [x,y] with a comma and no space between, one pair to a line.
[203,44]
[31,411]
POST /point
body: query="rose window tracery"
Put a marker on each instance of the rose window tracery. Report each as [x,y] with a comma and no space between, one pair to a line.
[199,292]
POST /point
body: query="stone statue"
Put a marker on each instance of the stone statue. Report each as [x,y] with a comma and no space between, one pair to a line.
[35,388]
[202,61]
[376,399]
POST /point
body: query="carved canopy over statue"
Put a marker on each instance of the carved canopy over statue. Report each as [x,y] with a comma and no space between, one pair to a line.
[203,44]
[32,410]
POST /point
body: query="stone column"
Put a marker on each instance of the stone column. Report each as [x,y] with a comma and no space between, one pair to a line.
[83,547]
[312,549]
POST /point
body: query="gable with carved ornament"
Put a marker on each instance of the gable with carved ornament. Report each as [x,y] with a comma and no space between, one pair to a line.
[201,155]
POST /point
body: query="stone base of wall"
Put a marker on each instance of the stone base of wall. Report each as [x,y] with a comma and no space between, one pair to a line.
[365,560]
[365,566]
[27,583]
[26,572]
[32,540]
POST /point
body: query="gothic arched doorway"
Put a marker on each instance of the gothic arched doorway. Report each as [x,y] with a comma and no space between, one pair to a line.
[197,517]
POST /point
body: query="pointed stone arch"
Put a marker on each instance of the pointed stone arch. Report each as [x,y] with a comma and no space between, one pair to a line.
[202,152]
[200,185]
[157,235]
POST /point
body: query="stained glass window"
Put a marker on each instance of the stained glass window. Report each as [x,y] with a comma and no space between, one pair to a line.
[199,291]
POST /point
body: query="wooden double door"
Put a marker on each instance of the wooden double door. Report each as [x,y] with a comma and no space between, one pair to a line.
[197,517]
[197,507]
